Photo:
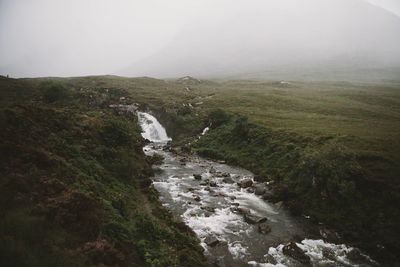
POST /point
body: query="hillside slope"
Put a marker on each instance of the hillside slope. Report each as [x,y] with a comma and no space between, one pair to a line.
[74,188]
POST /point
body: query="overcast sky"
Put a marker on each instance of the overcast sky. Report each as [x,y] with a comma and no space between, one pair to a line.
[85,37]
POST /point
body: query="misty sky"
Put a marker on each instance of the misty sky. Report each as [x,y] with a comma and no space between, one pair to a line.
[180,37]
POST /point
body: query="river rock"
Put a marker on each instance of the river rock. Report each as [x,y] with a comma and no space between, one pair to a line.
[212,170]
[213,184]
[208,208]
[205,182]
[197,176]
[211,241]
[228,180]
[293,251]
[259,189]
[268,195]
[264,228]
[252,219]
[250,190]
[240,210]
[247,182]
[197,198]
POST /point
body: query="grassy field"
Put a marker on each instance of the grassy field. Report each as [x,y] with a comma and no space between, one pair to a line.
[334,146]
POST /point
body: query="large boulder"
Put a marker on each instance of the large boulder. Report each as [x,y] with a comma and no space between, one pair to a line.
[244,183]
[293,251]
[252,219]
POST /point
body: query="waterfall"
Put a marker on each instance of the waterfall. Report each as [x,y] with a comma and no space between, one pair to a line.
[152,129]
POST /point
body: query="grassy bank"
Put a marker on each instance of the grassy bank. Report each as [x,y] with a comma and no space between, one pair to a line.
[75,184]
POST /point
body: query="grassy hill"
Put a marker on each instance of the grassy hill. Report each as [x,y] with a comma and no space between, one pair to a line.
[75,183]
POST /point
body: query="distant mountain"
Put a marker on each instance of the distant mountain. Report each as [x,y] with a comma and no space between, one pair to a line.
[333,39]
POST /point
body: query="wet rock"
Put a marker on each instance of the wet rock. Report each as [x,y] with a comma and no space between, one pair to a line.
[268,195]
[197,198]
[240,210]
[225,174]
[228,180]
[213,184]
[212,170]
[205,182]
[211,241]
[250,190]
[197,176]
[208,208]
[329,235]
[293,251]
[264,228]
[259,189]
[245,183]
[253,219]
[222,194]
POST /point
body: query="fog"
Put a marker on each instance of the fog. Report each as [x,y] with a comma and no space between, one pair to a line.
[289,39]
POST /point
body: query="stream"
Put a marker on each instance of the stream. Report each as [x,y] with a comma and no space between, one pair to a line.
[229,220]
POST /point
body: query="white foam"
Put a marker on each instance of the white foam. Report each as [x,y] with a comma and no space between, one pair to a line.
[205,130]
[237,250]
[220,222]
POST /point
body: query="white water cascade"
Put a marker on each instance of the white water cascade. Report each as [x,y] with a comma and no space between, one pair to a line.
[152,129]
